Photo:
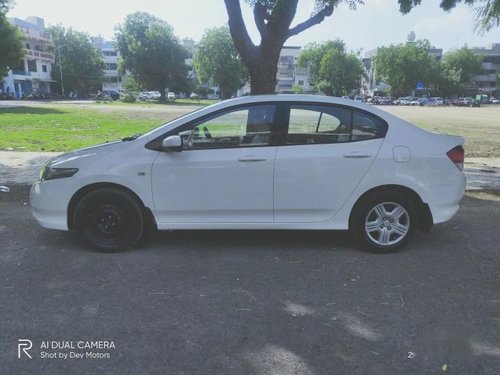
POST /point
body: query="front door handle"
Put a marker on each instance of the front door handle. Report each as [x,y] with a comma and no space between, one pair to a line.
[251,159]
[356,155]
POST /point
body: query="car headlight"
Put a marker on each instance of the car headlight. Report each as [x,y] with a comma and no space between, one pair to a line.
[50,173]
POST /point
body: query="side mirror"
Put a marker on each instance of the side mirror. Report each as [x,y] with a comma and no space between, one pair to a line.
[172,143]
[4,189]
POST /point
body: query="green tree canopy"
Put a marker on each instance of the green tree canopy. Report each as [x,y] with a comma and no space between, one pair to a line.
[487,11]
[152,53]
[81,62]
[456,70]
[404,65]
[332,70]
[216,60]
[10,41]
[464,62]
[273,19]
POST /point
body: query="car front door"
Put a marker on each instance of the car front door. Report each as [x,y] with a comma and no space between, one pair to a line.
[327,151]
[224,173]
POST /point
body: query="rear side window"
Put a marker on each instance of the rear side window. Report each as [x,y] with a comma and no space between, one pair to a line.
[318,124]
[366,126]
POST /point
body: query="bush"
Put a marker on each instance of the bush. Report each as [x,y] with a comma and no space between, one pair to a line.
[128,98]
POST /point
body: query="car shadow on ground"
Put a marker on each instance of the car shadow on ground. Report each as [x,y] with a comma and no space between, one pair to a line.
[214,239]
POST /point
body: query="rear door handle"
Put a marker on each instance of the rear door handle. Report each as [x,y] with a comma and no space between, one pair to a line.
[355,155]
[251,159]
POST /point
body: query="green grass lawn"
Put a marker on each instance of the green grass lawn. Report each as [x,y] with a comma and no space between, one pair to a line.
[153,103]
[479,126]
[65,127]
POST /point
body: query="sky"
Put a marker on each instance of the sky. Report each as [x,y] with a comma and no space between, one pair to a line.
[377,23]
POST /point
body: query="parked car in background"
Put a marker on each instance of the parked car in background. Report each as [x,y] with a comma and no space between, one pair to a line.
[435,101]
[259,162]
[171,96]
[154,95]
[113,94]
[149,95]
[467,102]
[385,101]
[494,101]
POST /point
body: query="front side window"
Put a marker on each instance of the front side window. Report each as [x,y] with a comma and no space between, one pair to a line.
[243,127]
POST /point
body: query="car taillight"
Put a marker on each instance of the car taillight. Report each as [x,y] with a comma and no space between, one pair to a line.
[456,155]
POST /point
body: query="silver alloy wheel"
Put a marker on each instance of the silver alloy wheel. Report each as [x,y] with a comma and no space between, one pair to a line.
[387,223]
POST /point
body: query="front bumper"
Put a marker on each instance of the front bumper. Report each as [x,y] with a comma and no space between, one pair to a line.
[49,204]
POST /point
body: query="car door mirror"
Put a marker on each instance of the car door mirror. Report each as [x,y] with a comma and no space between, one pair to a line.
[172,143]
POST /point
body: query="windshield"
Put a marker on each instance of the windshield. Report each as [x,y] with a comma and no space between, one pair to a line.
[181,117]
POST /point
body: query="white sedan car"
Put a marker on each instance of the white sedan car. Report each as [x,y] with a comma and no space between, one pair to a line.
[259,162]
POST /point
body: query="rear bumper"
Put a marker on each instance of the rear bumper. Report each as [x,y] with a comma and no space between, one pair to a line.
[446,198]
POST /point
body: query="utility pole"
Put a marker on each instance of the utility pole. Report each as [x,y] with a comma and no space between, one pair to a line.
[60,70]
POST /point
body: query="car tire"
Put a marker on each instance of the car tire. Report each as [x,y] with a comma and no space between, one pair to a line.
[384,221]
[109,219]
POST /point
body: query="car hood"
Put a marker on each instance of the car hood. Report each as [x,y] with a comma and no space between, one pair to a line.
[85,152]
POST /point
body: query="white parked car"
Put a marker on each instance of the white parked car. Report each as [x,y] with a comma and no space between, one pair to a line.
[259,162]
[171,96]
[149,95]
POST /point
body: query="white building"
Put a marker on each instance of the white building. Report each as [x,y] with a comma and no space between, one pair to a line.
[113,79]
[488,80]
[33,73]
[289,74]
[369,85]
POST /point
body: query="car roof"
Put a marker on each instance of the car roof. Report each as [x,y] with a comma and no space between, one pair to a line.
[276,98]
[296,98]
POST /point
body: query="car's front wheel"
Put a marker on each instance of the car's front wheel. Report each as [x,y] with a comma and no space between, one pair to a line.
[109,219]
[385,221]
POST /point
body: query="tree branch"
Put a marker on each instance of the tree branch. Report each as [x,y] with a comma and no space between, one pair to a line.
[314,20]
[259,16]
[239,32]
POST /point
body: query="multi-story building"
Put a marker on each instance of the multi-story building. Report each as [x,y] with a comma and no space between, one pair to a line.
[112,79]
[488,81]
[289,74]
[33,73]
[369,85]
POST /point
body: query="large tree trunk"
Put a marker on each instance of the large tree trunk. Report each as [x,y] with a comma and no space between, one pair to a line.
[262,81]
[273,22]
[263,73]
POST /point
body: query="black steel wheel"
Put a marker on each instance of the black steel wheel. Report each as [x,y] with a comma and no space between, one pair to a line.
[109,219]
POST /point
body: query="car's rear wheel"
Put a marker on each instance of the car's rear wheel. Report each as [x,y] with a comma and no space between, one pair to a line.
[385,221]
[109,219]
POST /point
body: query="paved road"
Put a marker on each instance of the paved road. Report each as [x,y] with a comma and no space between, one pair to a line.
[254,302]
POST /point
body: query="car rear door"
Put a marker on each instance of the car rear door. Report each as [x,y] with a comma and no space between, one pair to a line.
[327,151]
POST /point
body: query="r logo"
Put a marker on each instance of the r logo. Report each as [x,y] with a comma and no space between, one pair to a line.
[23,345]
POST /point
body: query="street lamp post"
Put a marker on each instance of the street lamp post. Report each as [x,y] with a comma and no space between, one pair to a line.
[60,70]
